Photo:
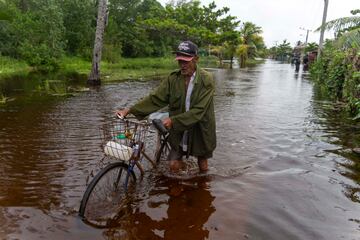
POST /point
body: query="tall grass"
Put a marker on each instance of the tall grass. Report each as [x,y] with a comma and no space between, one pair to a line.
[209,62]
[137,68]
[143,63]
[10,66]
[75,64]
[125,68]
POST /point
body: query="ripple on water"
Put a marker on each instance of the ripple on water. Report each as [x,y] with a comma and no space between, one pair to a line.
[278,171]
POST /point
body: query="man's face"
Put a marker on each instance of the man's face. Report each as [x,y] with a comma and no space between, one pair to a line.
[188,67]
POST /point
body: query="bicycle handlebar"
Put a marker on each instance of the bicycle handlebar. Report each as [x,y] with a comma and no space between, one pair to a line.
[160,126]
[156,122]
[130,119]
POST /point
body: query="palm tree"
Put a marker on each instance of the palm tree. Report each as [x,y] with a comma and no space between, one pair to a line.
[231,40]
[347,30]
[312,46]
[219,52]
[284,50]
[250,34]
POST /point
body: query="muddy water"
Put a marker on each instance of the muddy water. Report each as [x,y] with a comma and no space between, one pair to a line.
[283,168]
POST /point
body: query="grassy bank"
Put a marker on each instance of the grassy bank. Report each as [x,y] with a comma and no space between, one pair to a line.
[130,68]
[253,62]
[9,66]
[126,68]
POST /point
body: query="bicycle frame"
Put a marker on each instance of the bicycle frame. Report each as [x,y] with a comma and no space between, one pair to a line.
[135,133]
[139,149]
[163,142]
[130,169]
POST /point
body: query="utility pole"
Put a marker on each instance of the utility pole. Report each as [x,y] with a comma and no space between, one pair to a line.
[322,28]
[307,35]
[306,41]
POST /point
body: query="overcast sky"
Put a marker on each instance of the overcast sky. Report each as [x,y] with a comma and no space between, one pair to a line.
[282,19]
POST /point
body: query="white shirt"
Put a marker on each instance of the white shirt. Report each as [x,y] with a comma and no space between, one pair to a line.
[187,108]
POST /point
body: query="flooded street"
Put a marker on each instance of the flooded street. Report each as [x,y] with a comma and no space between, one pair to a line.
[283,167]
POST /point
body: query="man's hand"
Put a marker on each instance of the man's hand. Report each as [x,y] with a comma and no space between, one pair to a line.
[167,123]
[122,113]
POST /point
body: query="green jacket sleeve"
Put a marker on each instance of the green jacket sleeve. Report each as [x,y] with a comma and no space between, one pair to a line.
[156,100]
[187,119]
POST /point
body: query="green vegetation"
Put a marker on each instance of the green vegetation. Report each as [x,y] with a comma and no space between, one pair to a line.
[126,68]
[53,35]
[284,51]
[252,44]
[337,72]
[253,62]
[310,47]
[281,52]
[138,68]
[9,66]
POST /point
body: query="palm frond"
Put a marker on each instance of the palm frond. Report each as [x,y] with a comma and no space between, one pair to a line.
[349,39]
[342,23]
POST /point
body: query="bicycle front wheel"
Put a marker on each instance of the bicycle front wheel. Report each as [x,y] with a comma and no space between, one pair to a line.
[106,193]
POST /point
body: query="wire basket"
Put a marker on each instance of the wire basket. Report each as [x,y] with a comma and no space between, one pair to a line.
[122,138]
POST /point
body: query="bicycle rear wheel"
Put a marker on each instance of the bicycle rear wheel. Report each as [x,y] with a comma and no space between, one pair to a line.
[106,194]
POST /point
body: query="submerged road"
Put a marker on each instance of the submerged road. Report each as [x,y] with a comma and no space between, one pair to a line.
[283,167]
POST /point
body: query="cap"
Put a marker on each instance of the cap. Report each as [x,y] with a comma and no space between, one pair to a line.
[186,51]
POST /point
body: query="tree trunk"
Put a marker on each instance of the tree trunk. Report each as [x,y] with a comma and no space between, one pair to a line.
[94,78]
[243,59]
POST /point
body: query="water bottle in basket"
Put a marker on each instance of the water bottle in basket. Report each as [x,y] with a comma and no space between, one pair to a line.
[117,141]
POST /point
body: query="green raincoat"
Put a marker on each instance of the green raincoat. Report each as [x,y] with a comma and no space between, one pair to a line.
[199,120]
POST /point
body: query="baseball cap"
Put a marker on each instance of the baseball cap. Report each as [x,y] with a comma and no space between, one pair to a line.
[186,51]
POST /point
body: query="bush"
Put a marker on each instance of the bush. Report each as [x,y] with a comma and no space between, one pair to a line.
[351,89]
[336,75]
[39,34]
[111,53]
[337,72]
[41,57]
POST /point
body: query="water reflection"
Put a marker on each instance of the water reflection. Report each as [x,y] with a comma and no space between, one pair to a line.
[340,130]
[20,86]
[25,159]
[284,167]
[186,205]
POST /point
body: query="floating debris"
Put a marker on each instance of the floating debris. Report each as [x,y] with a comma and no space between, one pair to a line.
[4,100]
[230,93]
[356,150]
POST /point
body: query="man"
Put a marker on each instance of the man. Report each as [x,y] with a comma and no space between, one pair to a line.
[306,62]
[189,93]
[312,57]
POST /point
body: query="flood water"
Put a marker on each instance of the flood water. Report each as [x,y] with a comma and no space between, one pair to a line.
[283,167]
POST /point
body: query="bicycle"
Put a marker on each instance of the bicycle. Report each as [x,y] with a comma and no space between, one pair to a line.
[123,140]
